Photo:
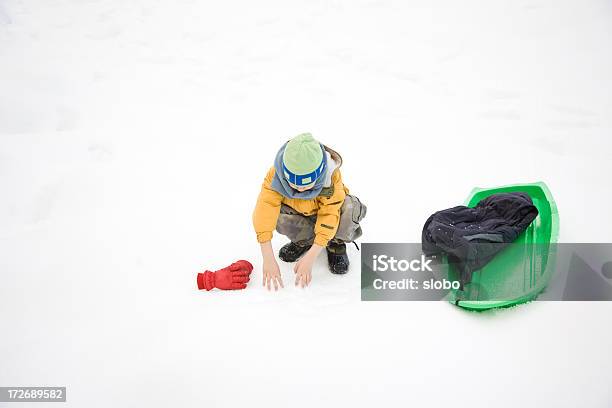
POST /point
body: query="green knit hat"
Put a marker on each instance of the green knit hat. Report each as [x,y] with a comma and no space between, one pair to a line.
[303,160]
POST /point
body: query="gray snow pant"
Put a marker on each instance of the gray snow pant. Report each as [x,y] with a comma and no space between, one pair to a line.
[300,228]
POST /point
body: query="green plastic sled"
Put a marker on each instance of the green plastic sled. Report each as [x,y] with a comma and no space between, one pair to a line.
[522,270]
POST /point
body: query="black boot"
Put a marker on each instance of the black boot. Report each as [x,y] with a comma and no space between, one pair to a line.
[337,258]
[291,252]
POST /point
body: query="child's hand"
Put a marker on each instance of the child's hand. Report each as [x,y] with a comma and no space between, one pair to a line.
[303,268]
[303,271]
[271,274]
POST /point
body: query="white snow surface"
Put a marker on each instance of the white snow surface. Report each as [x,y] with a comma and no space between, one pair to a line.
[134,137]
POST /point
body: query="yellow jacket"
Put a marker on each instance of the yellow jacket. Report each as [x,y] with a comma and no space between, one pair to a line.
[326,206]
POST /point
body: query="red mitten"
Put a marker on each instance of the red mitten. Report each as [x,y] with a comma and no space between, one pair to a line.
[232,277]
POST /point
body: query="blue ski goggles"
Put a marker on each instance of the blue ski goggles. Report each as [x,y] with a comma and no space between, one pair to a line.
[302,180]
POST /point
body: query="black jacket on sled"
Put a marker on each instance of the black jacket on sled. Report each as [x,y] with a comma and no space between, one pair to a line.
[471,237]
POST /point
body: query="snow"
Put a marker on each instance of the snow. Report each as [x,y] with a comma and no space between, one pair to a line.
[134,137]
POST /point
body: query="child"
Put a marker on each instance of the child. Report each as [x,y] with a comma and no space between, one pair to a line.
[303,197]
